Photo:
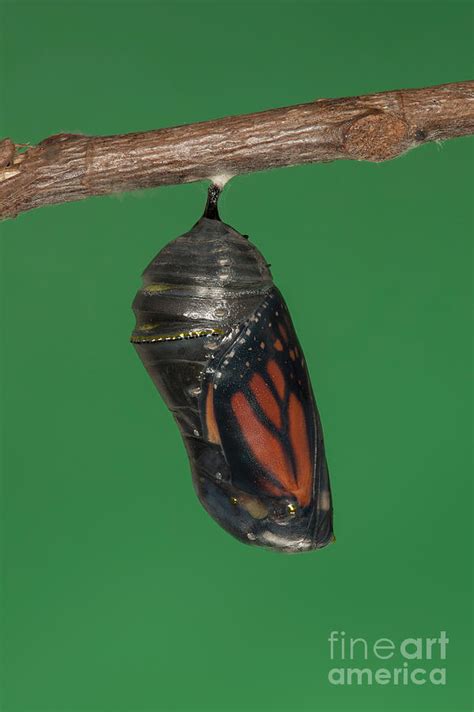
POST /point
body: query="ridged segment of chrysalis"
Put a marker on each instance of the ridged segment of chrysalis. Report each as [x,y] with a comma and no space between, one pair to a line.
[216,337]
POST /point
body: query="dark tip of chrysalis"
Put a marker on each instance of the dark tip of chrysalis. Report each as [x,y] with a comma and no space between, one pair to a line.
[211,212]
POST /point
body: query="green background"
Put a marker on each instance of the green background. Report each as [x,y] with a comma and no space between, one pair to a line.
[119,593]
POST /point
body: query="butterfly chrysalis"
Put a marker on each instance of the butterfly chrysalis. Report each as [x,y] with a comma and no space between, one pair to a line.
[216,337]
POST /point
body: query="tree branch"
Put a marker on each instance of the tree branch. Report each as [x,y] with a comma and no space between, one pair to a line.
[374,127]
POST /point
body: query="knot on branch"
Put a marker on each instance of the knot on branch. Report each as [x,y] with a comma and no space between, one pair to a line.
[376,136]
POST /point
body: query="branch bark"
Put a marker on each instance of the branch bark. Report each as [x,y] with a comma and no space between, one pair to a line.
[374,127]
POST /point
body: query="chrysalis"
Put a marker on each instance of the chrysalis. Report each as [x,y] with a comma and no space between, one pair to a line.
[216,337]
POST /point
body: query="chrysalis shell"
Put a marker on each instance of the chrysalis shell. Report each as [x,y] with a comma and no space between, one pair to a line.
[216,338]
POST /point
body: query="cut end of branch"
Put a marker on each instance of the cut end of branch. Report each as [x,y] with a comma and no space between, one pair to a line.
[7,151]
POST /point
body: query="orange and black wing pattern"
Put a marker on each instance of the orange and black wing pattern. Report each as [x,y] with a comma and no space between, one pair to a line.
[258,408]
